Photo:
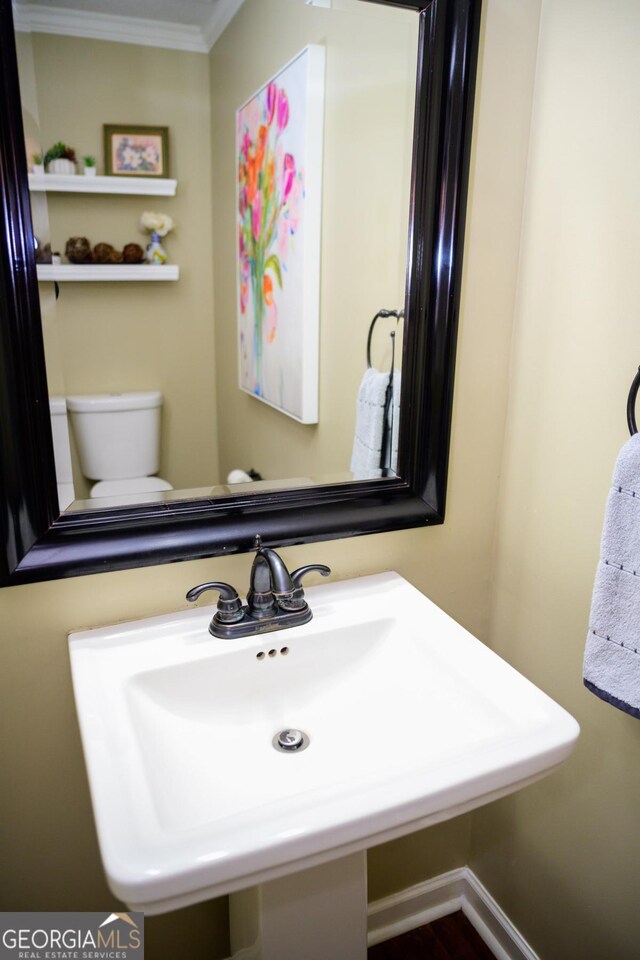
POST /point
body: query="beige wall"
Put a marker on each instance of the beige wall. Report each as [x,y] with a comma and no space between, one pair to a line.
[514,561]
[369,97]
[562,857]
[39,209]
[112,337]
[50,858]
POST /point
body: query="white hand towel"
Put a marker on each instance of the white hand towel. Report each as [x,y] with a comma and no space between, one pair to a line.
[370,410]
[395,414]
[612,654]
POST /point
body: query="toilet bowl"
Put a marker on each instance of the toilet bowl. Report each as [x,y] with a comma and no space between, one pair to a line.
[119,488]
[118,440]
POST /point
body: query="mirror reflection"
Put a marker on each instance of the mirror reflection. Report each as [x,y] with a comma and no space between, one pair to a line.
[244,364]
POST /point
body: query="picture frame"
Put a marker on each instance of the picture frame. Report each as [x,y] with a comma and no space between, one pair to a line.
[131,150]
[279,137]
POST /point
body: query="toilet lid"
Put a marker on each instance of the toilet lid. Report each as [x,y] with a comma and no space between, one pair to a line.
[118,488]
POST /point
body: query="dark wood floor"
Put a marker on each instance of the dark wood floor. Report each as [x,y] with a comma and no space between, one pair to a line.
[452,938]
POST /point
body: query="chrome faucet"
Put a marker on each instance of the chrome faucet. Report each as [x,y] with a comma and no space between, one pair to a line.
[275,599]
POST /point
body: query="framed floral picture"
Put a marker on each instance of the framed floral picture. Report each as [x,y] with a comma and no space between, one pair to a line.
[134,151]
[279,136]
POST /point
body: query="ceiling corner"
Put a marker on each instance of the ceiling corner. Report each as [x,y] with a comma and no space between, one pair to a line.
[221,16]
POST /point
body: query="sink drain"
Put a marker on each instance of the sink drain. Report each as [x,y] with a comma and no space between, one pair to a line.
[290,741]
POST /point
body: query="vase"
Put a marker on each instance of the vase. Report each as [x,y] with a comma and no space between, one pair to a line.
[61,166]
[155,252]
[89,171]
[38,169]
[258,325]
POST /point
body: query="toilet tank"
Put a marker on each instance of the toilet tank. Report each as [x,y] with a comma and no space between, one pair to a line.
[117,434]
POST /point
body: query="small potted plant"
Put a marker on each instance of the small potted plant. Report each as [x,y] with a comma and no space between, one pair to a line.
[37,166]
[60,159]
[89,165]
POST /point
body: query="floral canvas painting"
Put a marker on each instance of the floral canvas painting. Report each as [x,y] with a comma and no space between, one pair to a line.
[279,169]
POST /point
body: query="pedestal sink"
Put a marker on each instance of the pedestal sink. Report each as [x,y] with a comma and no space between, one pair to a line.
[404,720]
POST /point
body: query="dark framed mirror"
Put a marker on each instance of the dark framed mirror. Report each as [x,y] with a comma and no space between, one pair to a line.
[40,543]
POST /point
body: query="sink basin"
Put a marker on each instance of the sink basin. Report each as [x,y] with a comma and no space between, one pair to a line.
[410,720]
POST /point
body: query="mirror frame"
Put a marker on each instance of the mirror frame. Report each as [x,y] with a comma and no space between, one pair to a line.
[39,543]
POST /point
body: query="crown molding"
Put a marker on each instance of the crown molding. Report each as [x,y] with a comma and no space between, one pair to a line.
[104,26]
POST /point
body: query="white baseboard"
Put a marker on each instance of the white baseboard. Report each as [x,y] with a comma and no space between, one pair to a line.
[457,890]
[436,898]
[416,906]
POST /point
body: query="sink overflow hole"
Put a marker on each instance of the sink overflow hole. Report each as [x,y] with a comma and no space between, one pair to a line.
[290,740]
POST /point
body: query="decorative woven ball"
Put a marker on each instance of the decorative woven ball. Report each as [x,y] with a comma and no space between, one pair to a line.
[106,253]
[43,252]
[133,253]
[78,250]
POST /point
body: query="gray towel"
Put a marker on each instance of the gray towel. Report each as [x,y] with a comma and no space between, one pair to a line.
[367,441]
[367,454]
[612,654]
[394,413]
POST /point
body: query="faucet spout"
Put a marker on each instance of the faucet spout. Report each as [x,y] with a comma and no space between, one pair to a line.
[269,584]
[281,583]
[261,604]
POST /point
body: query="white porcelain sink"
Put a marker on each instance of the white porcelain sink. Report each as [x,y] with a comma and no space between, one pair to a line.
[411,720]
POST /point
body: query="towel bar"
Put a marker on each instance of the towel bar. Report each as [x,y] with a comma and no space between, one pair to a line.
[398,314]
[631,404]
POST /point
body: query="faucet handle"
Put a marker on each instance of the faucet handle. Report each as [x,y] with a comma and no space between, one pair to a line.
[229,603]
[296,601]
[301,572]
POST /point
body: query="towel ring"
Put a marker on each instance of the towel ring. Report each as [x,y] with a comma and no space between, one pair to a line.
[631,404]
[398,314]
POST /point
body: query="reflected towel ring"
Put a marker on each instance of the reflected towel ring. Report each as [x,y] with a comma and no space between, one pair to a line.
[631,404]
[398,314]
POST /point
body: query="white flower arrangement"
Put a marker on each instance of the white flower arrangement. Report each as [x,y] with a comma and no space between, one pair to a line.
[160,223]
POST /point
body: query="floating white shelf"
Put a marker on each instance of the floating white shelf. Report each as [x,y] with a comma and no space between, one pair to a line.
[117,271]
[78,183]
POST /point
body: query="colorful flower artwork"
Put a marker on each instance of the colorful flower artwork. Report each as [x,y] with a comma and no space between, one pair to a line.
[279,165]
[138,154]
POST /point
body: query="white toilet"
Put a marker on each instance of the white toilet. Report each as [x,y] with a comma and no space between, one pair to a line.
[118,440]
[62,451]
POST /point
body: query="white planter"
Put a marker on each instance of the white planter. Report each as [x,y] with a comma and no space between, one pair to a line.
[89,171]
[38,169]
[61,166]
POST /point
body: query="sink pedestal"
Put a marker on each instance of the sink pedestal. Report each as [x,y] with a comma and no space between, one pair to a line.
[316,914]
